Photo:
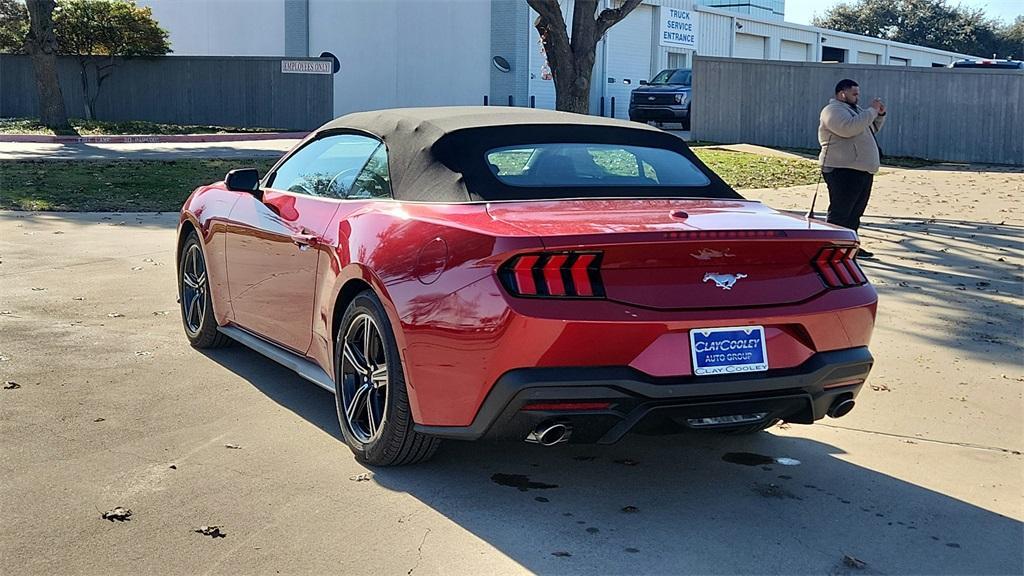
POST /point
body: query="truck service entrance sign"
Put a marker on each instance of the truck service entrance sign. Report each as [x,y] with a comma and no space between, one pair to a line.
[678,28]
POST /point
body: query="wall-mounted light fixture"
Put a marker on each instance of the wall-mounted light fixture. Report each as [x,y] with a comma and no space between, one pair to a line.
[501,64]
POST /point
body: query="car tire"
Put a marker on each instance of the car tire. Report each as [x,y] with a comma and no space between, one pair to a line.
[195,297]
[373,411]
[751,429]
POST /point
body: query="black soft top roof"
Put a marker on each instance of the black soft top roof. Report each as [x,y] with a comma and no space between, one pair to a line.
[437,154]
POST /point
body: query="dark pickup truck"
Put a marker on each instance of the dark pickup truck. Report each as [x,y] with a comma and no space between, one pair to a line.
[666,98]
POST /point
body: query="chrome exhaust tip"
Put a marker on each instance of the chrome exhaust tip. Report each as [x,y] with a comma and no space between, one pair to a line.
[841,408]
[550,434]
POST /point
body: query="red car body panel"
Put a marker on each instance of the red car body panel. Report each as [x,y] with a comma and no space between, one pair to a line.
[279,266]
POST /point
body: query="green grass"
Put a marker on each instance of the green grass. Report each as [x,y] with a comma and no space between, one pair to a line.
[110,186]
[101,128]
[893,161]
[742,170]
[162,185]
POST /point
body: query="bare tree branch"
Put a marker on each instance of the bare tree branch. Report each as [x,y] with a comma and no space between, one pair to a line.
[612,16]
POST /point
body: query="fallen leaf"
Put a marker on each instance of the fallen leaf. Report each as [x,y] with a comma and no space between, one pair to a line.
[38,289]
[853,562]
[364,477]
[880,388]
[11,385]
[78,298]
[120,514]
[143,353]
[561,554]
[115,315]
[630,509]
[211,531]
[233,446]
[160,313]
[100,420]
[136,268]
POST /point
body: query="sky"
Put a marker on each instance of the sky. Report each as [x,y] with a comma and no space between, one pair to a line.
[801,11]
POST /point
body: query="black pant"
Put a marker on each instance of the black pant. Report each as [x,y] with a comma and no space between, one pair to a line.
[848,193]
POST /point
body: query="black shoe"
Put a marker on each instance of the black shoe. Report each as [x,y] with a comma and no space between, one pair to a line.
[862,253]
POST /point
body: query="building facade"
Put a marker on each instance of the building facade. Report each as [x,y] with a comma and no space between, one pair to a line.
[450,52]
[767,9]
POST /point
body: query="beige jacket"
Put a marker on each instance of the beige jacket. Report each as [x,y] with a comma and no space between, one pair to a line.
[846,137]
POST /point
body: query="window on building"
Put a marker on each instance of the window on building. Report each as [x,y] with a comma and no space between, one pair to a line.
[832,54]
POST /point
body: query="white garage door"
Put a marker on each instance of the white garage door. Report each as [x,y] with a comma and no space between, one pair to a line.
[867,58]
[793,51]
[629,59]
[894,61]
[749,46]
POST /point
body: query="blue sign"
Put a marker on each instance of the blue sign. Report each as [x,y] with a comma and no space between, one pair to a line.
[728,350]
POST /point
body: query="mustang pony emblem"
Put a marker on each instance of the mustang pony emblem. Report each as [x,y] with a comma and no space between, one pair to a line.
[723,281]
[708,254]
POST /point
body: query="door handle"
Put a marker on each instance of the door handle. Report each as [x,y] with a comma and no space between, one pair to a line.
[304,241]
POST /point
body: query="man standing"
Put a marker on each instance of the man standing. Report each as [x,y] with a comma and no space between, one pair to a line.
[849,154]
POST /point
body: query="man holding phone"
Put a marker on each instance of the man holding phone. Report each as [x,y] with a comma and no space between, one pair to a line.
[849,155]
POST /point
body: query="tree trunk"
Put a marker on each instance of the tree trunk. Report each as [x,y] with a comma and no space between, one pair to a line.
[83,74]
[572,61]
[41,45]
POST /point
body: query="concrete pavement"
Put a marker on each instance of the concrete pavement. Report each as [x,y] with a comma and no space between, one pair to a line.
[114,409]
[144,151]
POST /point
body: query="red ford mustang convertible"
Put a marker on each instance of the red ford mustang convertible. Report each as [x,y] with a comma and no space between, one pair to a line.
[513,273]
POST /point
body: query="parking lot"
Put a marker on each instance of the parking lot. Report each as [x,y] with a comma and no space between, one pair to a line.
[105,405]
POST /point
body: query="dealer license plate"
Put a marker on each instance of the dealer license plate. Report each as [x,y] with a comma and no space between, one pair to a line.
[728,350]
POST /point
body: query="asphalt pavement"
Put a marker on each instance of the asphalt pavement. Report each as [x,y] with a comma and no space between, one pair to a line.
[104,405]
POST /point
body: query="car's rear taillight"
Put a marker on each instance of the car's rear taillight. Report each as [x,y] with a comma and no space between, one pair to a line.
[554,275]
[838,267]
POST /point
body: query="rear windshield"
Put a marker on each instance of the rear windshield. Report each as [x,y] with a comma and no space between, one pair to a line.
[593,166]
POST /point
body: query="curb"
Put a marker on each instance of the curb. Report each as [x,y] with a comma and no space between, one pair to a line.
[150,138]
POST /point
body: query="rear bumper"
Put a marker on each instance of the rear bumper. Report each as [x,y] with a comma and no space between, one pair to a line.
[638,402]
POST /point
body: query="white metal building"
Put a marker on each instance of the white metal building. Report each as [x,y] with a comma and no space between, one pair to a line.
[432,52]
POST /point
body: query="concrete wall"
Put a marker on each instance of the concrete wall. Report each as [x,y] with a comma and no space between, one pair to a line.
[183,90]
[397,53]
[935,113]
[222,27]
[510,39]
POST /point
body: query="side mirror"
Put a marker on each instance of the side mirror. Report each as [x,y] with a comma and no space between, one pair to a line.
[244,180]
[644,82]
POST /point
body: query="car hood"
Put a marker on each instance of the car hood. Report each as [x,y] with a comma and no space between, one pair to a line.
[662,88]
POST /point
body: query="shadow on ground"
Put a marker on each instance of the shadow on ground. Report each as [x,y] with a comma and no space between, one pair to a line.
[966,275]
[672,504]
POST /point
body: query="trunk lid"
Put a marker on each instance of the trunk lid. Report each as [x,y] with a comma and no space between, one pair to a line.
[685,254]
